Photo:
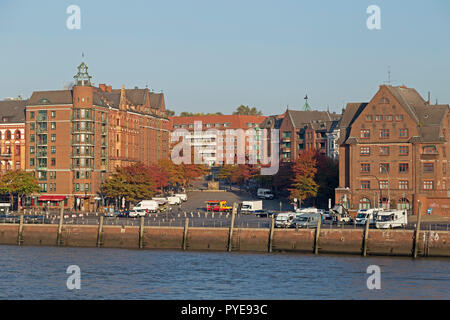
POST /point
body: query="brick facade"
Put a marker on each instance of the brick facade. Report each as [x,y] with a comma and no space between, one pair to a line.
[393,152]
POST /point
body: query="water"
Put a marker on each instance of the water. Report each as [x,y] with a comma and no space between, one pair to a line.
[40,273]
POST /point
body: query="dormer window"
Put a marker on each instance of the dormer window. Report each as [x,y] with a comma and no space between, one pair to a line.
[429,150]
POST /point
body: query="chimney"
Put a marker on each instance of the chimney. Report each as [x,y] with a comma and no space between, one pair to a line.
[108,88]
[102,87]
[429,98]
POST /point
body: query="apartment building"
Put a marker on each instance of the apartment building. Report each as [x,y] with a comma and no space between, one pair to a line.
[394,152]
[12,135]
[76,137]
[211,138]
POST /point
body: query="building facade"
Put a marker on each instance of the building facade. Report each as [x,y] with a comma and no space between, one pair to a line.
[308,130]
[76,137]
[393,152]
[12,135]
[211,140]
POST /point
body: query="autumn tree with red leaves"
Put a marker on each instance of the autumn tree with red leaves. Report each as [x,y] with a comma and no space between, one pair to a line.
[304,171]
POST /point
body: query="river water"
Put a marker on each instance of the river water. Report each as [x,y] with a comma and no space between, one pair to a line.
[40,273]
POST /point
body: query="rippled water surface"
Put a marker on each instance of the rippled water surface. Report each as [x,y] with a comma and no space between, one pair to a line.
[40,273]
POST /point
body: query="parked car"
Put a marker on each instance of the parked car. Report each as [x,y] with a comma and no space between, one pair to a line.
[137,213]
[265,194]
[284,219]
[174,200]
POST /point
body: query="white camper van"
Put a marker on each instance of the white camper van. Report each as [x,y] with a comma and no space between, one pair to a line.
[391,219]
[173,200]
[364,214]
[147,206]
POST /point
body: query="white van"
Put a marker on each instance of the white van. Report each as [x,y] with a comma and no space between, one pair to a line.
[391,219]
[284,219]
[265,194]
[147,205]
[174,200]
[364,214]
[182,196]
[135,212]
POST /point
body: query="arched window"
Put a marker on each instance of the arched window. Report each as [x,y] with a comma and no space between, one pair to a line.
[8,135]
[403,203]
[17,134]
[364,203]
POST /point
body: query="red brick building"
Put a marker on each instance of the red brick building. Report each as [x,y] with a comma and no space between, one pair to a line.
[76,137]
[394,151]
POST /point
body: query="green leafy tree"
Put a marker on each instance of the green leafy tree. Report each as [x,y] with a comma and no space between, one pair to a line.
[170,113]
[246,110]
[18,183]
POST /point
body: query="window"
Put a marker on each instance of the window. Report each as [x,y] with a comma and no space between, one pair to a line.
[399,117]
[428,167]
[403,185]
[286,134]
[53,137]
[403,150]
[365,151]
[404,133]
[32,124]
[384,100]
[53,149]
[384,133]
[384,184]
[384,167]
[53,161]
[43,187]
[429,150]
[384,151]
[53,125]
[31,162]
[379,118]
[17,165]
[428,185]
[53,114]
[32,115]
[31,137]
[369,118]
[365,133]
[389,118]
[403,167]
[365,185]
[364,203]
[31,150]
[17,135]
[301,146]
[365,167]
[8,135]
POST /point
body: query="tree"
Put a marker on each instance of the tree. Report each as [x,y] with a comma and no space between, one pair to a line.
[246,110]
[226,172]
[304,171]
[133,183]
[170,113]
[328,179]
[18,183]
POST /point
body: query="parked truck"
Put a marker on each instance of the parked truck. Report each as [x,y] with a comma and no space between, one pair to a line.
[251,206]
[264,194]
[391,219]
[218,206]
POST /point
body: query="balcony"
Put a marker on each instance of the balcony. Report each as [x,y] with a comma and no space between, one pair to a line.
[79,155]
[41,154]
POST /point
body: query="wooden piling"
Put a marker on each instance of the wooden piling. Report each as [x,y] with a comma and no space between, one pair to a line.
[415,250]
[230,233]
[316,240]
[272,226]
[100,232]
[20,233]
[60,224]
[141,233]
[365,237]
[186,228]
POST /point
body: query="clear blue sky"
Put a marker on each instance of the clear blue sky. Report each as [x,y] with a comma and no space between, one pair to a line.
[209,55]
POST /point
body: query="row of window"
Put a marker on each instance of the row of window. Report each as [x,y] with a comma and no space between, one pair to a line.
[42,162]
[81,187]
[210,125]
[378,117]
[385,150]
[384,133]
[402,167]
[42,138]
[42,114]
[8,135]
[43,150]
[402,184]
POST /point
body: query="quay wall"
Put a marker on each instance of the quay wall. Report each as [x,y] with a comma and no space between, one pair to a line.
[345,241]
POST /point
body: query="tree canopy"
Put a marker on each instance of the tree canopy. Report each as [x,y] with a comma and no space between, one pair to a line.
[304,172]
[246,110]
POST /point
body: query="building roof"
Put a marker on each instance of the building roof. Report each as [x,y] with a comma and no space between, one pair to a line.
[50,97]
[235,121]
[428,117]
[301,118]
[12,111]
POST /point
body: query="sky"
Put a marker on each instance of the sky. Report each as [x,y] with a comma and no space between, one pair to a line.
[212,56]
